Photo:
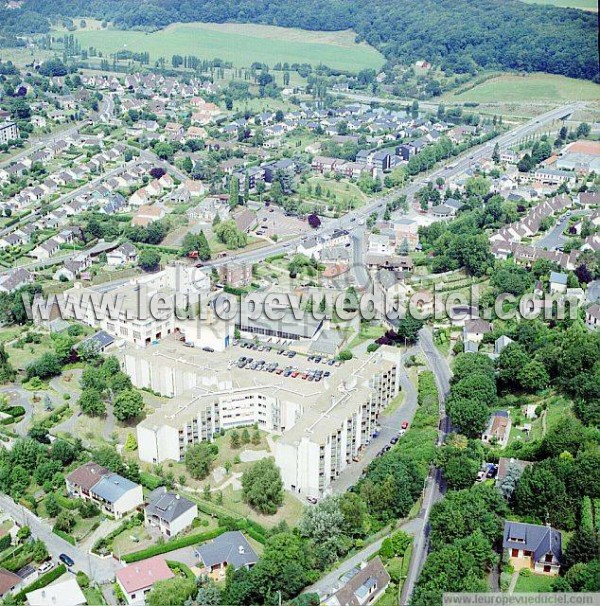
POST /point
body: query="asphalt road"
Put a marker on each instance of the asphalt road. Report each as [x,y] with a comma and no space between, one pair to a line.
[458,164]
[434,489]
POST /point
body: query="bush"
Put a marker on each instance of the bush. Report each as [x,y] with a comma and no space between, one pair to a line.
[187,541]
[150,481]
[5,542]
[63,535]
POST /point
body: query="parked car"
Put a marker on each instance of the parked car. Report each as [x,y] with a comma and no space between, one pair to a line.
[394,440]
[66,560]
[404,425]
[45,567]
[312,500]
[209,349]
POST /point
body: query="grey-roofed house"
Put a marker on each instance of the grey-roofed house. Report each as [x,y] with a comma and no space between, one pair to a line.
[531,546]
[362,585]
[169,512]
[558,282]
[229,549]
[116,495]
[99,341]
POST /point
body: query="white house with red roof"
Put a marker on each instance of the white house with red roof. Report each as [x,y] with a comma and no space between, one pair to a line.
[137,579]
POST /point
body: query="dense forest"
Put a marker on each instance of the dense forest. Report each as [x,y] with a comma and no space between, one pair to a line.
[459,35]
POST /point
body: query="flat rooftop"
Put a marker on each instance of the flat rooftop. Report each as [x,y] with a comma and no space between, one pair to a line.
[332,398]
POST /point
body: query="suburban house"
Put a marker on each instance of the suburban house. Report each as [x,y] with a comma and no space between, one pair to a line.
[45,250]
[126,253]
[8,582]
[169,512]
[113,493]
[505,463]
[137,579]
[229,549]
[592,316]
[14,280]
[498,429]
[147,214]
[533,546]
[474,330]
[558,283]
[67,593]
[235,274]
[362,585]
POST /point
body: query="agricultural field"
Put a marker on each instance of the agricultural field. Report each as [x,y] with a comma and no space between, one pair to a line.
[535,88]
[240,44]
[585,5]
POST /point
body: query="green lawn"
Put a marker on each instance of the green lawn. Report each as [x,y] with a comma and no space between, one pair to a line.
[535,583]
[368,332]
[94,596]
[240,44]
[586,5]
[531,87]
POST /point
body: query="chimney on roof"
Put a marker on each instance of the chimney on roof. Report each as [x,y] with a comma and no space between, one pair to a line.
[241,549]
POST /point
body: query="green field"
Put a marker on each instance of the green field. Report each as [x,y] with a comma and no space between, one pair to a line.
[529,88]
[534,583]
[240,44]
[586,5]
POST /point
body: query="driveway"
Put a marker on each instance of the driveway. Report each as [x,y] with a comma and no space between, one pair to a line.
[101,571]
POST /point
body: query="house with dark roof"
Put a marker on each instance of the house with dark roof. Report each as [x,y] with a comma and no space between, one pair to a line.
[99,341]
[474,330]
[169,512]
[229,549]
[531,546]
[364,584]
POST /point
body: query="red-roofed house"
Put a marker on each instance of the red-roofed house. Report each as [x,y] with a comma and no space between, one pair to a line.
[137,579]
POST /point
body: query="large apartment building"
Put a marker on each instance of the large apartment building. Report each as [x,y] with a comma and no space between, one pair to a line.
[322,426]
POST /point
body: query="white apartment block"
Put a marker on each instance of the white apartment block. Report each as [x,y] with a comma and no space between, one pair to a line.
[9,131]
[322,425]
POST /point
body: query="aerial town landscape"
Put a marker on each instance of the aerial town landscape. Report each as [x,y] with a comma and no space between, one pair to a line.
[299,302]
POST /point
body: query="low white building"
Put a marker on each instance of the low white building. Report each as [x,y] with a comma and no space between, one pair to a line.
[66,593]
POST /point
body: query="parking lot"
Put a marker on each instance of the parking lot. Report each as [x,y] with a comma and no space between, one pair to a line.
[264,358]
[273,220]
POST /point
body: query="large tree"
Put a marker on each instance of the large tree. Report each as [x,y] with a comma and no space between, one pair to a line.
[199,458]
[128,405]
[262,487]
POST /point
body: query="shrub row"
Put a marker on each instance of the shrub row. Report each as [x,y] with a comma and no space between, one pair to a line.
[187,541]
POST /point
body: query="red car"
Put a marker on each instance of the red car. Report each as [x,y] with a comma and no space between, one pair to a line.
[404,425]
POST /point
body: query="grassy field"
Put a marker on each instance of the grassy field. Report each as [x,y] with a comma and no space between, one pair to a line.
[529,88]
[535,583]
[586,5]
[240,44]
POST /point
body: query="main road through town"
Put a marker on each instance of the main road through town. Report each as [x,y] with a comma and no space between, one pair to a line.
[452,168]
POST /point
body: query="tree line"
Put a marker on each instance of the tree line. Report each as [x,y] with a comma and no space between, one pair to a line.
[461,36]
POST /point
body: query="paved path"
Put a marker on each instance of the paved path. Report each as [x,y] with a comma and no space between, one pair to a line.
[328,584]
[513,581]
[101,571]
